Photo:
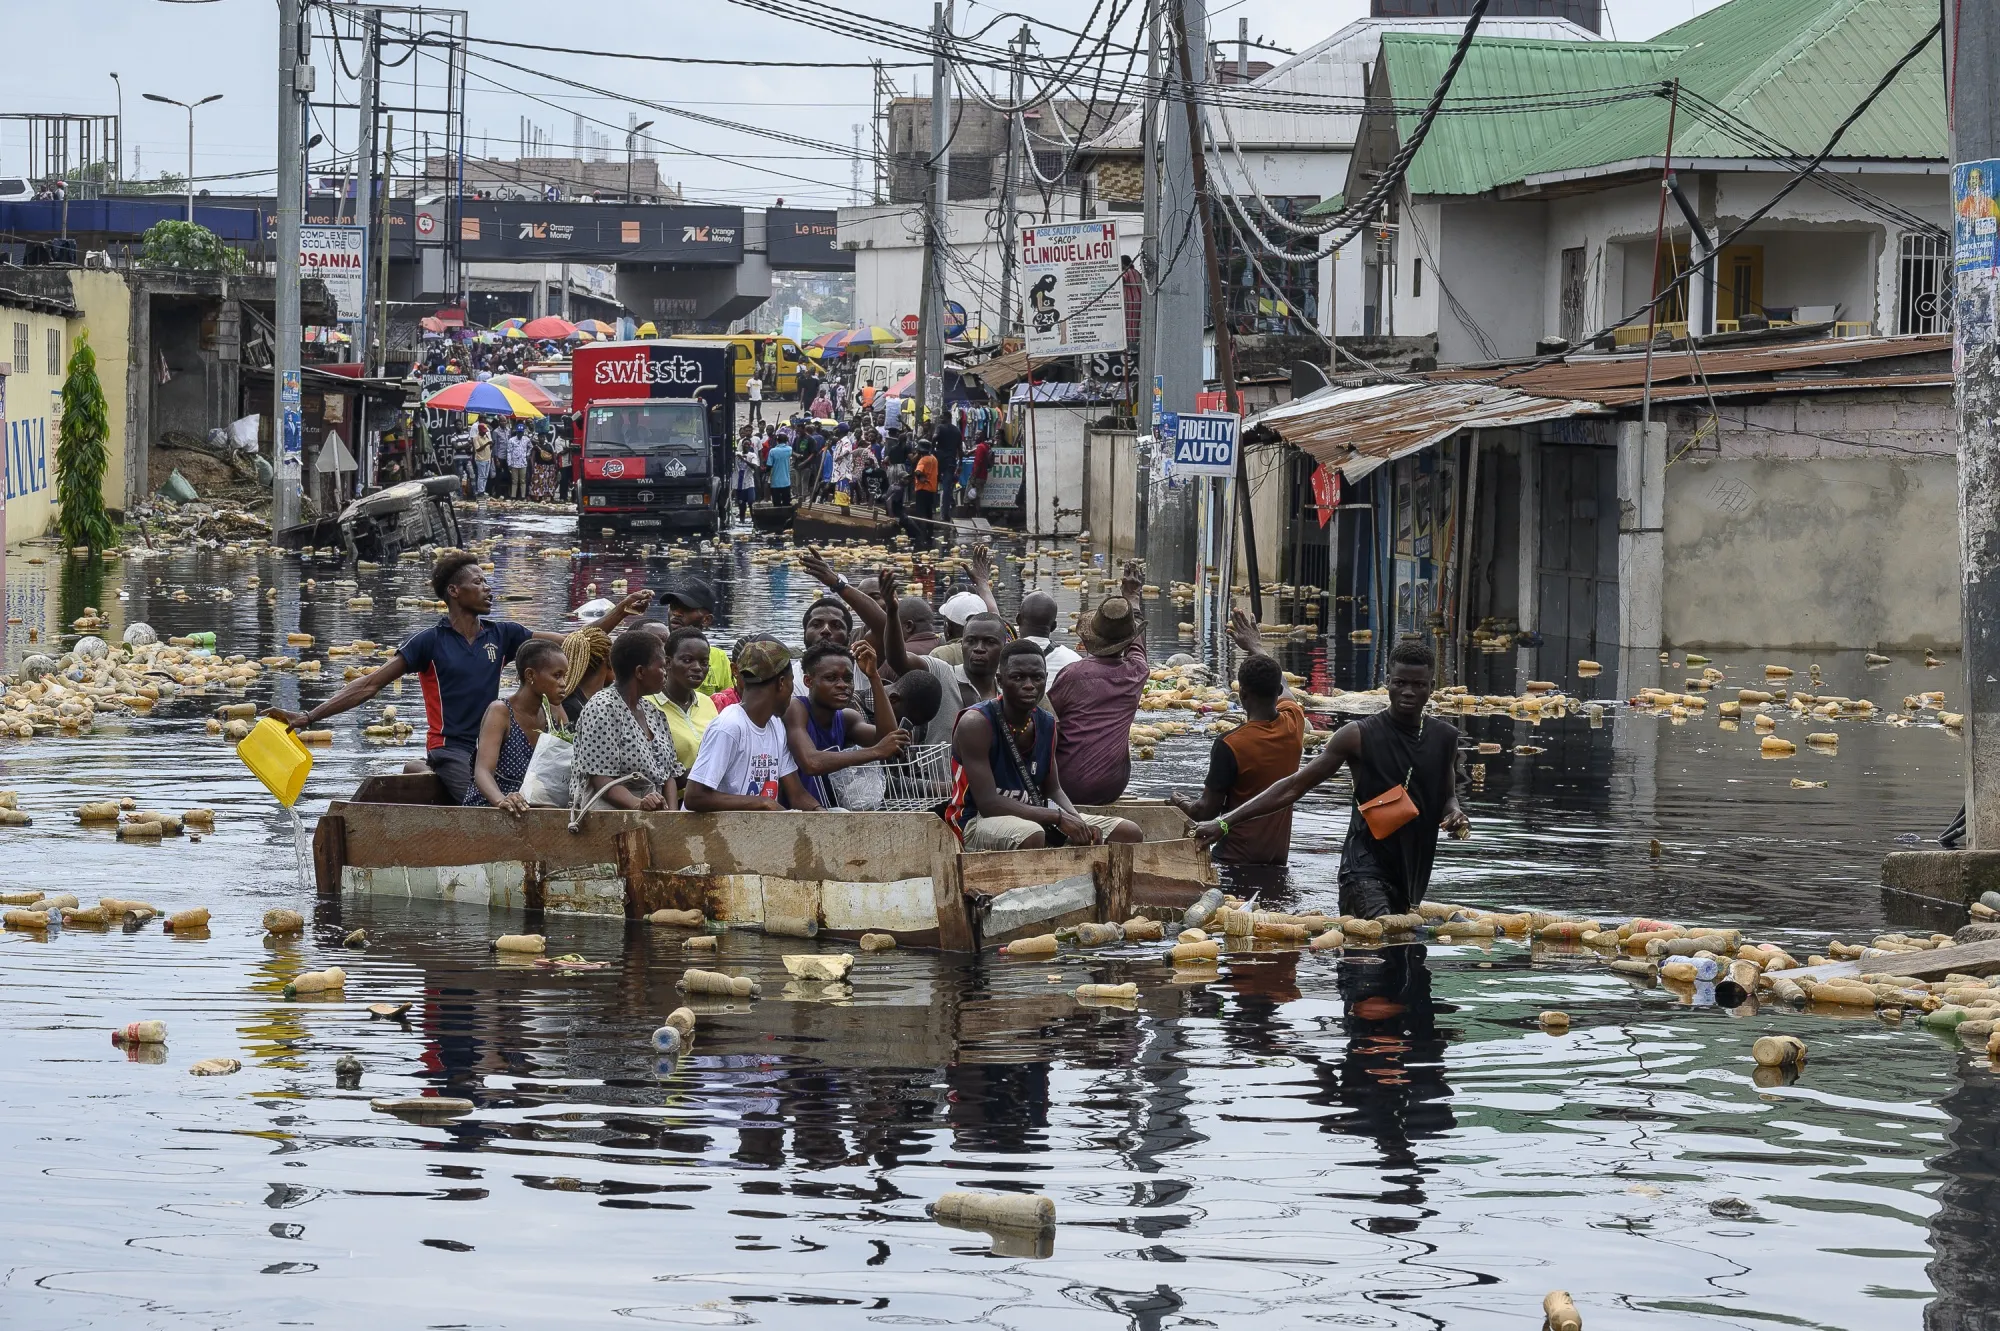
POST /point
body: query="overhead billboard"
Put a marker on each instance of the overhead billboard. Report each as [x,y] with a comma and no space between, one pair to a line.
[807,239]
[504,231]
[1073,288]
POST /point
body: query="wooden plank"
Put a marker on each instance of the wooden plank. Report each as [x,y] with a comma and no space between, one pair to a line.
[954,915]
[635,857]
[535,886]
[1114,886]
[401,788]
[329,853]
[1913,965]
[991,872]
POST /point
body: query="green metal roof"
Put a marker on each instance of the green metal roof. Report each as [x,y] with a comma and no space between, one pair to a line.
[1792,68]
[1472,153]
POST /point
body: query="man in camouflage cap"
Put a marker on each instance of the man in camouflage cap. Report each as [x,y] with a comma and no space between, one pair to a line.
[744,762]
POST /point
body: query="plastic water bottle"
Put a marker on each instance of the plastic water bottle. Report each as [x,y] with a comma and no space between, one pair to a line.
[1203,909]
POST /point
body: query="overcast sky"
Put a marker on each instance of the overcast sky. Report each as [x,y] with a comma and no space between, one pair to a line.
[190,50]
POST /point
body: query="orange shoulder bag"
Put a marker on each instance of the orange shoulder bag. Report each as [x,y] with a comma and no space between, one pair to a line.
[1389,811]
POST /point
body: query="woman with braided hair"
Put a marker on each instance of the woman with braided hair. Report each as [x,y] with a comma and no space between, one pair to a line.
[589,654]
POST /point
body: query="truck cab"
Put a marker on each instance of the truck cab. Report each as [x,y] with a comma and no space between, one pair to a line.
[652,423]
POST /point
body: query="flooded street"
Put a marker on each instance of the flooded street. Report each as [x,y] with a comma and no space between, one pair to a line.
[1383,1140]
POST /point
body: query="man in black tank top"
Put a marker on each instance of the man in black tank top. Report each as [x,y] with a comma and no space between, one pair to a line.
[1400,746]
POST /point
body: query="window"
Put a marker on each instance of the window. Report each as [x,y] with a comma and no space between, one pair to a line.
[1575,280]
[21,348]
[1923,285]
[55,353]
[1416,277]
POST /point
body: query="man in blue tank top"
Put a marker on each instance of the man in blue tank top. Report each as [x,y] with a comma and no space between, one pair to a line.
[1005,791]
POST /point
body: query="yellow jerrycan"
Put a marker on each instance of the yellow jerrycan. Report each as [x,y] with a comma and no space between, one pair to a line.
[277,757]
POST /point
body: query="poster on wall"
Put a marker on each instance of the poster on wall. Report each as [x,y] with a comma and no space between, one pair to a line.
[1073,282]
[338,256]
[1975,255]
[1004,478]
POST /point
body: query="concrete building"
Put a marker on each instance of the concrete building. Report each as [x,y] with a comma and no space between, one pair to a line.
[1786,495]
[549,178]
[1541,222]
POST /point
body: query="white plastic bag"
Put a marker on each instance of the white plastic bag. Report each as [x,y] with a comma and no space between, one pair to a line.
[862,787]
[547,781]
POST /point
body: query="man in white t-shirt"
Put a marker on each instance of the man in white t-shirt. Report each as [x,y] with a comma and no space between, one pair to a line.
[744,762]
[1037,622]
[754,394]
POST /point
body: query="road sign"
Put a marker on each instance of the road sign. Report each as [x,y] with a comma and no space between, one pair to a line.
[910,325]
[954,318]
[1205,443]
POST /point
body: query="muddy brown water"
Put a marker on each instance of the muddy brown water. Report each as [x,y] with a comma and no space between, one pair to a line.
[1380,1140]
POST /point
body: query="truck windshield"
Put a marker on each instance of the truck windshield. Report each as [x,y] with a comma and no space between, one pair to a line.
[630,429]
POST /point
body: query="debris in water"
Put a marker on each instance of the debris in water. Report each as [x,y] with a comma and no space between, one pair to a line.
[421,1107]
[1554,1021]
[520,943]
[25,919]
[316,982]
[216,1067]
[1779,1051]
[818,966]
[1559,1311]
[1113,992]
[1798,784]
[141,1032]
[347,1071]
[187,921]
[714,982]
[280,920]
[995,1210]
[878,942]
[389,1011]
[1041,945]
[680,919]
[357,940]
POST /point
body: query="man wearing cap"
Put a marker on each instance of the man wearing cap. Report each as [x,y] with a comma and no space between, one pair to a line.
[1096,697]
[691,605]
[744,763]
[959,608]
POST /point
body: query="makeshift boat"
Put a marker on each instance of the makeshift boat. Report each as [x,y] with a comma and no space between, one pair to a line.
[823,524]
[771,518]
[839,874]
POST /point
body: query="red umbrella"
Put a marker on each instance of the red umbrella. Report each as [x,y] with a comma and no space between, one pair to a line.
[527,388]
[548,327]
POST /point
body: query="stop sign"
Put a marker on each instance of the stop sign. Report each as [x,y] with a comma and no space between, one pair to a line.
[910,325]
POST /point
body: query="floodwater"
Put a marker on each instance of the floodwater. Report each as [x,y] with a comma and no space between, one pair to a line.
[1382,1141]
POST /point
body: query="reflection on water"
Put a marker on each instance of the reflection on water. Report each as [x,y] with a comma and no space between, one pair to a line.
[1383,1140]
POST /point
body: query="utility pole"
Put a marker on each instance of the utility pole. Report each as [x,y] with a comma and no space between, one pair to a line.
[1179,300]
[1143,356]
[881,140]
[288,423]
[1225,344]
[364,173]
[930,319]
[380,217]
[1010,236]
[1972,44]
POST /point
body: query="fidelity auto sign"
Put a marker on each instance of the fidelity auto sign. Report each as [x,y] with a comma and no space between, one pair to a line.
[338,256]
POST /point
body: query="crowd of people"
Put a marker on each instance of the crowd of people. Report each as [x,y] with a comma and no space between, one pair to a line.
[652,713]
[922,476]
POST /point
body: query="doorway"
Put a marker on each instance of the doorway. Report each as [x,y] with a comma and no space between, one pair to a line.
[1576,565]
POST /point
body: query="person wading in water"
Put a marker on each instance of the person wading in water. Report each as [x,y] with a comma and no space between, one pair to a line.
[1405,771]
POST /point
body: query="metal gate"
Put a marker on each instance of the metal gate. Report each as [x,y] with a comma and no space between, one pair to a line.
[1576,564]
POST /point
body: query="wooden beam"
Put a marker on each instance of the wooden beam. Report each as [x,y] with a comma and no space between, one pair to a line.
[1114,886]
[955,932]
[329,853]
[1964,957]
[635,857]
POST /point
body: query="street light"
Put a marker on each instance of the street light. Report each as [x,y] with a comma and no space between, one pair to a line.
[631,136]
[118,167]
[189,108]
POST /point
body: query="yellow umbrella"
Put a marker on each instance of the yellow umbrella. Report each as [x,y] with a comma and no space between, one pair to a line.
[646,330]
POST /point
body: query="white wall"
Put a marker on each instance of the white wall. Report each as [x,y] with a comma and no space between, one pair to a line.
[1495,264]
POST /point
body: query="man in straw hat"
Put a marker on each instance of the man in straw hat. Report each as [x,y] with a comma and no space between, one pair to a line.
[1096,697]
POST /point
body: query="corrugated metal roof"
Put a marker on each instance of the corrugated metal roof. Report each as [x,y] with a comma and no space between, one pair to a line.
[1356,430]
[1698,391]
[1793,69]
[1589,376]
[1474,153]
[1329,71]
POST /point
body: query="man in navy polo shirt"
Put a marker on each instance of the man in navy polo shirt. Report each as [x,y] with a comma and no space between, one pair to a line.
[457,662]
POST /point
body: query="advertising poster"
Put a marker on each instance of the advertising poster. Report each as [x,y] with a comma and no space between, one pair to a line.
[1073,289]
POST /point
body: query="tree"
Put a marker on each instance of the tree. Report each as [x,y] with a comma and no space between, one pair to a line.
[80,453]
[188,245]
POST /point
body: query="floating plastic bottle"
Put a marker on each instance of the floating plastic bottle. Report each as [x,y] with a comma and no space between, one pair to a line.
[714,982]
[1204,907]
[995,1210]
[281,920]
[532,943]
[140,1032]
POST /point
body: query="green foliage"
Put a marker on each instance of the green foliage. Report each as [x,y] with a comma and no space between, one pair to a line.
[188,245]
[80,453]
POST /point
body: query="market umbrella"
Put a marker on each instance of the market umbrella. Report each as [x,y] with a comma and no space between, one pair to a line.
[550,327]
[488,399]
[860,339]
[508,325]
[597,327]
[533,392]
[584,335]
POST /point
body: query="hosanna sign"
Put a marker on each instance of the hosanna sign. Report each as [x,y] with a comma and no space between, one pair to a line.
[1074,299]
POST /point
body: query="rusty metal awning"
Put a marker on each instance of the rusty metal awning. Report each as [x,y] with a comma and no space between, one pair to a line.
[1356,430]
